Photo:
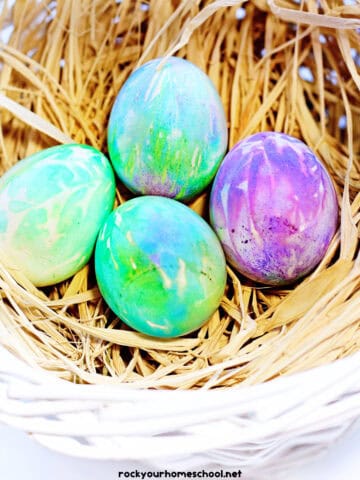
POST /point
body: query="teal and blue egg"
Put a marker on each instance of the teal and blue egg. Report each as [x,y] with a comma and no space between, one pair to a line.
[159,266]
[167,132]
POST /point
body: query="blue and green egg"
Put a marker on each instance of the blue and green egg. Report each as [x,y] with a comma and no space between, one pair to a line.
[52,205]
[167,131]
[159,266]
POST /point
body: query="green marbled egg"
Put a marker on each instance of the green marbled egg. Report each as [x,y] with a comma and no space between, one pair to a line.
[52,206]
[167,130]
[160,266]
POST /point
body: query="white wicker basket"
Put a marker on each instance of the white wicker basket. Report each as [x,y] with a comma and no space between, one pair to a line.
[264,429]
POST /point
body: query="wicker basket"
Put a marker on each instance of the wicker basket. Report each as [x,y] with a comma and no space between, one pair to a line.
[263,430]
[274,377]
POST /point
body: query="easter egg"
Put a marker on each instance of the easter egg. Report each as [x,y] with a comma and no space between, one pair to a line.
[167,132]
[274,208]
[52,205]
[159,266]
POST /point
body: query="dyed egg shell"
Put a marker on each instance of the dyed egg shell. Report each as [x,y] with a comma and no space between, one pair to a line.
[274,208]
[159,266]
[167,131]
[52,205]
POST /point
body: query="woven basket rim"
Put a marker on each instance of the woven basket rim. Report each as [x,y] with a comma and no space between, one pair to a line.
[189,427]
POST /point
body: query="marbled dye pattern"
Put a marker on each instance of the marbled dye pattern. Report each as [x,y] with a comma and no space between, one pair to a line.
[52,205]
[167,131]
[159,266]
[274,208]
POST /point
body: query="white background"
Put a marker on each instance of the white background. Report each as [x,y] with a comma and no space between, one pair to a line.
[22,458]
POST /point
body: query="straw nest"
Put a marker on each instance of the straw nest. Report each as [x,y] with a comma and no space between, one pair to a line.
[60,71]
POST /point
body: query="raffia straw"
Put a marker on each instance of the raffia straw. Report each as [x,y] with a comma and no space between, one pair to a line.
[58,80]
[197,21]
[309,18]
[33,120]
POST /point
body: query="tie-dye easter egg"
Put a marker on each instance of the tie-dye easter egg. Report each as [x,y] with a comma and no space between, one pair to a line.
[159,266]
[274,208]
[167,132]
[52,206]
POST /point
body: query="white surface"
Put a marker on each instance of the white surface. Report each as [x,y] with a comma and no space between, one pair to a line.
[21,457]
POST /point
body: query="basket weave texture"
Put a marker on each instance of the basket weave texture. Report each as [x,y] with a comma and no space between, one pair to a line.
[277,66]
[263,430]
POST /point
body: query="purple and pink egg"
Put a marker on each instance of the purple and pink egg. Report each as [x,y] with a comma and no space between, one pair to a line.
[274,207]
